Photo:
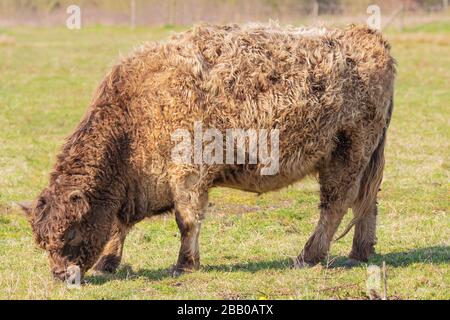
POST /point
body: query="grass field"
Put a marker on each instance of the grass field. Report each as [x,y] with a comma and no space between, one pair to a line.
[47,77]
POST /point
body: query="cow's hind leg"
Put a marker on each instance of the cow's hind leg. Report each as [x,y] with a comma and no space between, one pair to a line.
[190,203]
[339,178]
[112,253]
[365,206]
[364,239]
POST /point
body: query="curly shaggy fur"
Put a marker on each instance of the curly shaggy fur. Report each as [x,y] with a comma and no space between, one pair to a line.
[328,92]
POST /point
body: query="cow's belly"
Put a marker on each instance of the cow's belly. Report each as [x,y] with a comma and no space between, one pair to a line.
[253,181]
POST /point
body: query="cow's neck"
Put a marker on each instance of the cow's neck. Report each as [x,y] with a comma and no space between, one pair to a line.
[96,159]
[93,158]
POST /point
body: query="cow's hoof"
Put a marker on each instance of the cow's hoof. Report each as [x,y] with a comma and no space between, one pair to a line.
[302,264]
[176,271]
[107,264]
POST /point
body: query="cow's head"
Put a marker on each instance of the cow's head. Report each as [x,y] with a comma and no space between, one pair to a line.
[71,227]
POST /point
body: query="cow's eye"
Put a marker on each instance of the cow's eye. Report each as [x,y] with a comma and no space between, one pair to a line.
[71,235]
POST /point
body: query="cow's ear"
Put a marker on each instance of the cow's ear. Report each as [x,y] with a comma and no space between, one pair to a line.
[26,206]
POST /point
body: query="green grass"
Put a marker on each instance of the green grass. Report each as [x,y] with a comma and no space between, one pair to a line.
[431,27]
[47,77]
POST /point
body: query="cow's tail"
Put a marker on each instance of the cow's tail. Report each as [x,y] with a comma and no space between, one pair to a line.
[372,176]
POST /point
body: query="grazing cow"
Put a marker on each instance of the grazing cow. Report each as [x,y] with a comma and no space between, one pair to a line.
[327,92]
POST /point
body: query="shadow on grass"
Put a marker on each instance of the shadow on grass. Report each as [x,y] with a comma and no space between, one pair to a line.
[256,266]
[125,272]
[436,255]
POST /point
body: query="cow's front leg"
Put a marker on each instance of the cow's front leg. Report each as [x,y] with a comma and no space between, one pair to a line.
[189,256]
[190,204]
[112,253]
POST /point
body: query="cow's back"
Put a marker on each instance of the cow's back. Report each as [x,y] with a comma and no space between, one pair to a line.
[309,84]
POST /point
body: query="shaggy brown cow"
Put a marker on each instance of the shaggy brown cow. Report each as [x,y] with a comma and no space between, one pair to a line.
[327,92]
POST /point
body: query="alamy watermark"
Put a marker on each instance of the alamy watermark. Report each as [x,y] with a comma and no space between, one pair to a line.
[376,283]
[240,146]
[73,280]
[74,19]
[374,20]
